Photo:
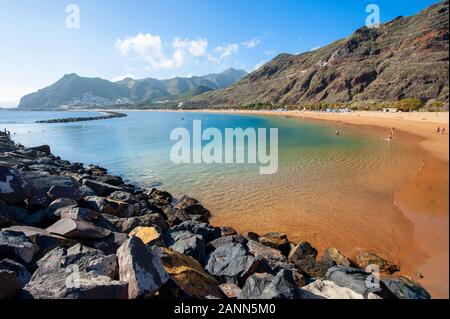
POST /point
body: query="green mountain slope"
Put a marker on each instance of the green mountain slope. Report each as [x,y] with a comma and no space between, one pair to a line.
[74,90]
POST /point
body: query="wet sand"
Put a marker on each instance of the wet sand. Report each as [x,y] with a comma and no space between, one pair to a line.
[421,229]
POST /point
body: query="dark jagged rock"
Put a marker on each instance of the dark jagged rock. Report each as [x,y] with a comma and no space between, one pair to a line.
[107,179]
[266,286]
[277,241]
[141,269]
[101,189]
[78,229]
[160,194]
[231,291]
[251,235]
[274,258]
[160,198]
[126,225]
[124,197]
[188,277]
[10,285]
[79,272]
[21,272]
[175,216]
[57,192]
[14,189]
[232,263]
[108,115]
[227,231]
[254,286]
[17,246]
[359,281]
[283,286]
[94,202]
[43,149]
[208,232]
[78,213]
[332,255]
[120,209]
[12,215]
[52,211]
[187,243]
[86,191]
[110,244]
[36,218]
[226,240]
[42,238]
[42,182]
[404,288]
[365,258]
[304,257]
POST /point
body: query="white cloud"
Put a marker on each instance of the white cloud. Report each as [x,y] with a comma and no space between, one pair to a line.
[253,43]
[151,49]
[122,77]
[10,97]
[227,50]
[315,48]
[195,48]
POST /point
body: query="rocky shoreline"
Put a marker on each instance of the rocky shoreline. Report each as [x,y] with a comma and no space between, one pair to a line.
[75,232]
[109,115]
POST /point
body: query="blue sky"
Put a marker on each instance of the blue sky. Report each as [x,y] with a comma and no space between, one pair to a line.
[166,38]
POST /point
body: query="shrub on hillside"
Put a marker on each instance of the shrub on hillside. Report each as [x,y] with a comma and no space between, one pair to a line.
[409,105]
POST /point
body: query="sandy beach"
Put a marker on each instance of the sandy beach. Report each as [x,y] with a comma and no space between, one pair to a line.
[423,200]
[420,226]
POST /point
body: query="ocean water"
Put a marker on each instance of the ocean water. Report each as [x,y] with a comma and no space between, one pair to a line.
[332,191]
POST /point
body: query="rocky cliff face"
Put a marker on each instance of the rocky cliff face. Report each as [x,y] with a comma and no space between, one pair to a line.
[405,58]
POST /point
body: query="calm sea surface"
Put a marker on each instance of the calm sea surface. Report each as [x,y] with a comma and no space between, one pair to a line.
[327,189]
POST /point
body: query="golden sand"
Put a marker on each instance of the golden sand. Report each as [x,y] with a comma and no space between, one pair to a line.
[422,230]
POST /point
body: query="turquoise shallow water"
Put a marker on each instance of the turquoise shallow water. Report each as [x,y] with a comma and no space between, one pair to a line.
[324,183]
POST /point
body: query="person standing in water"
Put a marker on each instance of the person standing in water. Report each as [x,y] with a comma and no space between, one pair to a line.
[391,136]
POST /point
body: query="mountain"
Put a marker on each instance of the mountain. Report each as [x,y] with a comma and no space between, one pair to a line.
[73,90]
[405,58]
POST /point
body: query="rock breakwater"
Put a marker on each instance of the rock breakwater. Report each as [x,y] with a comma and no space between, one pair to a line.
[108,115]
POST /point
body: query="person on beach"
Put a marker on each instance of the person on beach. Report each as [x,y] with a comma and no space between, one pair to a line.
[443,131]
[438,130]
[337,133]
